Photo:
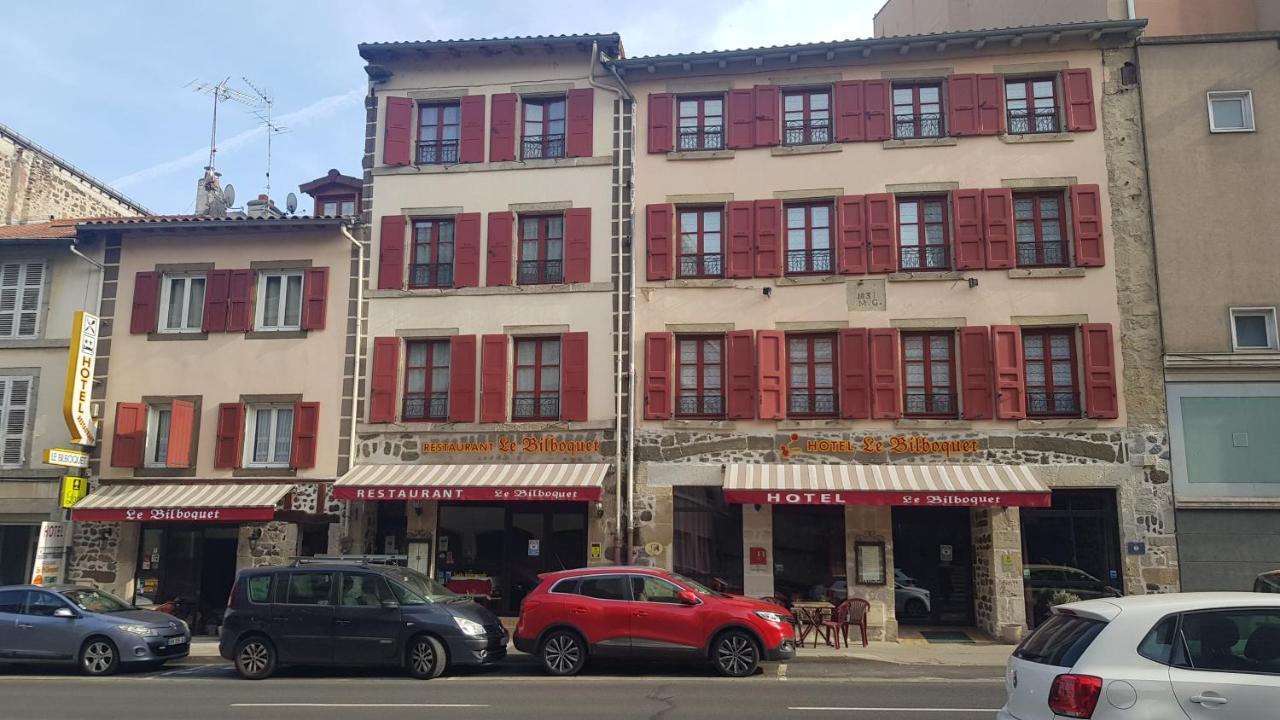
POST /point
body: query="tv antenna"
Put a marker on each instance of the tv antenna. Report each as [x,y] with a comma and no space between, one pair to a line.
[221,92]
[265,118]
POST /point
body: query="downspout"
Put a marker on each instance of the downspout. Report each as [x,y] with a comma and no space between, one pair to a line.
[1132,13]
[97,307]
[356,391]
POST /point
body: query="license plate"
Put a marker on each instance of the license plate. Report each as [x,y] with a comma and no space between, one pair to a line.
[179,640]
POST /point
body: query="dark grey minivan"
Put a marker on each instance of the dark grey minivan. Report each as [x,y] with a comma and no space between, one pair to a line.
[354,614]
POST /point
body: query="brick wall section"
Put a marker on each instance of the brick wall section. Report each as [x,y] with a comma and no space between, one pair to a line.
[34,185]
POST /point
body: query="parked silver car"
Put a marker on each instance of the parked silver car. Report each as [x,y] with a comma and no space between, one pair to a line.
[89,627]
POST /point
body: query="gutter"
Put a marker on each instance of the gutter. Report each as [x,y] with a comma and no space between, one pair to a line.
[357,384]
[97,306]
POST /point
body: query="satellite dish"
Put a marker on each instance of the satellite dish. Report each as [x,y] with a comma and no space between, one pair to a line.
[291,203]
[229,195]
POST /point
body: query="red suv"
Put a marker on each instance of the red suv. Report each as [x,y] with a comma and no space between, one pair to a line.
[648,612]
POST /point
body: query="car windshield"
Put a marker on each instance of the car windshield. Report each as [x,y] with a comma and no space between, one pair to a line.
[96,601]
[413,588]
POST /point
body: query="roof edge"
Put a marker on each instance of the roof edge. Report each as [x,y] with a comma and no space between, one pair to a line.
[1209,38]
[145,223]
[458,45]
[74,170]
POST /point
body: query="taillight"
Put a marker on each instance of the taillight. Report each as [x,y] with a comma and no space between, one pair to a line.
[231,599]
[1075,696]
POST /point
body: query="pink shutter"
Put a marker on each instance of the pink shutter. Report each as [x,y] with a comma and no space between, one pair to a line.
[767,100]
[1101,397]
[997,227]
[471,134]
[397,132]
[855,374]
[883,350]
[493,378]
[661,114]
[502,127]
[466,250]
[975,372]
[501,248]
[577,245]
[306,434]
[876,105]
[851,215]
[391,252]
[1077,86]
[129,439]
[771,377]
[182,418]
[739,251]
[657,375]
[742,119]
[962,101]
[573,377]
[229,436]
[740,366]
[659,224]
[315,297]
[768,231]
[216,288]
[1010,381]
[580,107]
[240,301]
[882,233]
[991,104]
[966,212]
[851,120]
[462,378]
[384,379]
[1086,225]
[146,302]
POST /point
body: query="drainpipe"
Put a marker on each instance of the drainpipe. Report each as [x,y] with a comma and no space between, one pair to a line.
[1132,13]
[97,307]
[356,392]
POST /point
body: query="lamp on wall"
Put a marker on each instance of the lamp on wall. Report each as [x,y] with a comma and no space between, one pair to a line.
[599,509]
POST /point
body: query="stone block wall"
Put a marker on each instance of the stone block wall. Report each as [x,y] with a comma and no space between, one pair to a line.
[266,543]
[874,523]
[34,185]
[999,605]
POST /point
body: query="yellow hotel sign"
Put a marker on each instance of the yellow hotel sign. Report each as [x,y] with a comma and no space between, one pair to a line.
[79,392]
[73,490]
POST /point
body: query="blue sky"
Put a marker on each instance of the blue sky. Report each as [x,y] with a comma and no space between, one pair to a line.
[102,83]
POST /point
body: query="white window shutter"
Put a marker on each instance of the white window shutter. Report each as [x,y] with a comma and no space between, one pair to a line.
[16,395]
[21,294]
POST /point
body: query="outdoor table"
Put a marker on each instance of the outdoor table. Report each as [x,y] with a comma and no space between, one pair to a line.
[810,614]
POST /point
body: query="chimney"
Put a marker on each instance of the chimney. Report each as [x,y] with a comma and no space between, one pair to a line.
[209,198]
[262,207]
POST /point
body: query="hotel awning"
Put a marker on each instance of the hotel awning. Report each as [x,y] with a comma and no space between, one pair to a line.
[184,502]
[566,481]
[913,485]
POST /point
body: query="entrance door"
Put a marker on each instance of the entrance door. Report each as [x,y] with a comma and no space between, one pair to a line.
[933,549]
[17,553]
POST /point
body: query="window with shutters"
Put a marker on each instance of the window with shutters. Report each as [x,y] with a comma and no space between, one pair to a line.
[806,117]
[701,243]
[1041,227]
[917,111]
[21,293]
[279,302]
[701,125]
[268,436]
[811,363]
[159,417]
[928,372]
[182,303]
[15,415]
[541,250]
[537,379]
[426,380]
[700,361]
[542,132]
[1049,355]
[432,263]
[923,234]
[809,238]
[438,125]
[1032,105]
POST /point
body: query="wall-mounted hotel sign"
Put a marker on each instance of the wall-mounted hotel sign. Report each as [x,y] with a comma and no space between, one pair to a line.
[894,444]
[79,389]
[525,444]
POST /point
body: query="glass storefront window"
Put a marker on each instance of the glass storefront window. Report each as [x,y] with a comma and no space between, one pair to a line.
[808,551]
[708,538]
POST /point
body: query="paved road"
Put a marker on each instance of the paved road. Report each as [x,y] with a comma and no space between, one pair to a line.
[809,691]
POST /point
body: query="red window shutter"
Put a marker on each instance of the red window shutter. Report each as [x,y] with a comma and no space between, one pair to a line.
[129,443]
[659,224]
[851,213]
[240,301]
[962,101]
[1010,382]
[997,227]
[1086,225]
[851,120]
[1077,86]
[991,104]
[882,233]
[146,302]
[742,119]
[767,101]
[875,103]
[471,134]
[577,245]
[217,287]
[462,378]
[975,372]
[315,295]
[886,395]
[502,127]
[740,366]
[573,376]
[855,374]
[182,420]
[657,375]
[739,251]
[391,252]
[771,374]
[228,447]
[768,231]
[501,248]
[579,109]
[397,132]
[1101,400]
[661,112]
[383,379]
[466,250]
[493,378]
[306,433]
[966,212]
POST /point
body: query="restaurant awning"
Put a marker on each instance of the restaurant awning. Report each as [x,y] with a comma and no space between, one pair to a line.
[182,502]
[914,485]
[566,481]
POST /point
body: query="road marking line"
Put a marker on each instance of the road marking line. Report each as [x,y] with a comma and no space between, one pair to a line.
[782,671]
[356,705]
[894,709]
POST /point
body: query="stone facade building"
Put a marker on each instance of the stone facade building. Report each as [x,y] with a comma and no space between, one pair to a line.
[36,186]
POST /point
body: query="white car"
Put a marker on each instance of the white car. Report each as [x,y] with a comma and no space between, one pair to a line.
[1186,656]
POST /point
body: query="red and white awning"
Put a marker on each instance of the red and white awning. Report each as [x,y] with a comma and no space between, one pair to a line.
[913,485]
[555,482]
[181,502]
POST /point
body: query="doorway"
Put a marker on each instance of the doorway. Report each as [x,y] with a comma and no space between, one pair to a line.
[808,551]
[17,553]
[933,550]
[1070,550]
[193,567]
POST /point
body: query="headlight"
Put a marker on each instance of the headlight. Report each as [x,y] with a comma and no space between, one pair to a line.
[772,617]
[142,630]
[469,627]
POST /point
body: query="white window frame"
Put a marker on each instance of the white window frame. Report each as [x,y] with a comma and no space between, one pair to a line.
[18,291]
[251,434]
[166,297]
[22,435]
[260,321]
[1267,312]
[153,434]
[1246,100]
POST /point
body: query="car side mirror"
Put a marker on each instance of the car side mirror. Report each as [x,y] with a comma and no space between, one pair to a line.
[390,604]
[63,612]
[688,597]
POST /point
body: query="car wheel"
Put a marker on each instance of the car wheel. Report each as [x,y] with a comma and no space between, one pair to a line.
[426,658]
[915,608]
[99,657]
[735,654]
[255,658]
[563,653]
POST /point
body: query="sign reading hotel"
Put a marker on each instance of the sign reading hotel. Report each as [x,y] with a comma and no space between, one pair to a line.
[895,445]
[530,444]
[889,497]
[79,392]
[174,514]
[567,494]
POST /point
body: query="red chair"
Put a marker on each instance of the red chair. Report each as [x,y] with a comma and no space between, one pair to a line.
[852,612]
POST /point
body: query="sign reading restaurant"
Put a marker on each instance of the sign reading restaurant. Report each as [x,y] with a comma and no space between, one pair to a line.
[533,444]
[583,494]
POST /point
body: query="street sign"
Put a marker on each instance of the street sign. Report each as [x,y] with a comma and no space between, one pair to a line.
[73,490]
[79,390]
[66,458]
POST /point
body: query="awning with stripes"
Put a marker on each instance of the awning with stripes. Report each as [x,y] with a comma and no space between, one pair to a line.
[914,485]
[181,502]
[565,481]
